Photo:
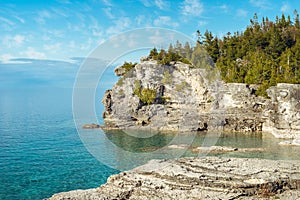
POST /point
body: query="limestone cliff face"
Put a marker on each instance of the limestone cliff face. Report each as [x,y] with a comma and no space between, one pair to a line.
[283,113]
[179,97]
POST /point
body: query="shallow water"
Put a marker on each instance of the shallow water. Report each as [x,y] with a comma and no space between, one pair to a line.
[42,153]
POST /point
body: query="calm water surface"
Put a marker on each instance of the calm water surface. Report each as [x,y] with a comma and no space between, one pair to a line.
[41,152]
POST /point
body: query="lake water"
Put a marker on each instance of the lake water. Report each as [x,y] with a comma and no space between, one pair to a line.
[42,153]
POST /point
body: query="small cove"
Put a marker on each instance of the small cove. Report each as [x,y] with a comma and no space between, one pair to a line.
[42,153]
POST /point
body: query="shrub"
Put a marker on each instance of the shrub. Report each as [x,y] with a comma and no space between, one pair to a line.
[137,88]
[167,78]
[128,66]
[148,96]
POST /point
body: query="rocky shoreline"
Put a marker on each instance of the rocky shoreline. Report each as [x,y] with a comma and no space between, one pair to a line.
[178,97]
[200,178]
[185,99]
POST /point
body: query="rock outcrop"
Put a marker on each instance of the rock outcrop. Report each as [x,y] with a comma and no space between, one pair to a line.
[91,126]
[200,178]
[283,113]
[180,97]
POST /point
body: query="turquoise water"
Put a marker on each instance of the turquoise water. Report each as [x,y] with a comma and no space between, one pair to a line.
[42,154]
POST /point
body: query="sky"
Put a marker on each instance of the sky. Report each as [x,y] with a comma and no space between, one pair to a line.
[61,31]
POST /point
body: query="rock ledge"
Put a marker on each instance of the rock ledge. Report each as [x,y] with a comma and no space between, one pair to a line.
[200,178]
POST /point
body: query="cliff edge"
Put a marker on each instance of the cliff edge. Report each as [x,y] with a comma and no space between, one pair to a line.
[181,97]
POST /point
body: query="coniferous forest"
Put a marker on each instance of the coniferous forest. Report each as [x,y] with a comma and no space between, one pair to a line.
[266,53]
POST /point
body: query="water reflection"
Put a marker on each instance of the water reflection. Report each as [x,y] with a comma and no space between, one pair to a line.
[137,144]
[252,145]
[120,150]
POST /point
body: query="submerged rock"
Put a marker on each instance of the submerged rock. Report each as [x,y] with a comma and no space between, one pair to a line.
[200,178]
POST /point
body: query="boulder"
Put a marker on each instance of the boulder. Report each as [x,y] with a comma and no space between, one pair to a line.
[91,126]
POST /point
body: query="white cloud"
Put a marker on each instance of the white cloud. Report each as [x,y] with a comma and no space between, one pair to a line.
[87,45]
[32,53]
[161,4]
[7,21]
[224,8]
[42,16]
[285,7]
[164,21]
[9,59]
[52,48]
[94,27]
[262,4]
[19,19]
[108,13]
[120,25]
[241,13]
[192,8]
[107,2]
[202,23]
[5,58]
[46,38]
[60,12]
[140,19]
[56,33]
[146,3]
[18,39]
[13,41]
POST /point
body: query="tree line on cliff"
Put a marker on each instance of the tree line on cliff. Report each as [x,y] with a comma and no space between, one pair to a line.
[265,53]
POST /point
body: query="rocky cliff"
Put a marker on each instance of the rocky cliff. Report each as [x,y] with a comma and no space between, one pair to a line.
[200,178]
[180,97]
[283,112]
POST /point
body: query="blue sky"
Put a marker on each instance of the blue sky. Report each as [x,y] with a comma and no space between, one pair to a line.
[44,42]
[63,29]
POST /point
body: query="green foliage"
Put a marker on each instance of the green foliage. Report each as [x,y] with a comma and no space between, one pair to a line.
[265,53]
[167,77]
[146,95]
[262,89]
[137,88]
[173,54]
[153,53]
[128,66]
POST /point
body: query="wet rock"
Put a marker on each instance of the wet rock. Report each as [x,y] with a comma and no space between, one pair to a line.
[91,126]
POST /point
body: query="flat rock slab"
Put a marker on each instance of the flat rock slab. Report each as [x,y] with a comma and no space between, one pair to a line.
[200,178]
